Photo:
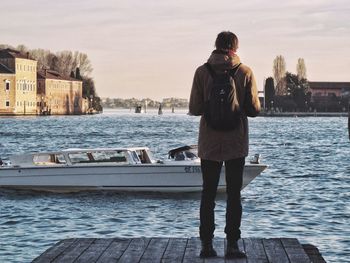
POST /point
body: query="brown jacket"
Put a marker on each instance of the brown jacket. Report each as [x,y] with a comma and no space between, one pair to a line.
[224,145]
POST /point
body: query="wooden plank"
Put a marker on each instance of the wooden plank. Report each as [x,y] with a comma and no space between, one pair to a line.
[175,250]
[155,250]
[295,251]
[171,250]
[53,252]
[275,251]
[313,253]
[114,251]
[237,260]
[74,251]
[192,251]
[135,250]
[94,251]
[255,250]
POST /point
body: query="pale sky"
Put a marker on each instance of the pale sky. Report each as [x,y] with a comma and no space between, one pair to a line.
[151,48]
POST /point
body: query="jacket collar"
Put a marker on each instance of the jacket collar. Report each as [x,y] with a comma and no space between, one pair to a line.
[220,60]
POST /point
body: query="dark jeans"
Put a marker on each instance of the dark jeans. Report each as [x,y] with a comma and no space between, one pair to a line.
[234,178]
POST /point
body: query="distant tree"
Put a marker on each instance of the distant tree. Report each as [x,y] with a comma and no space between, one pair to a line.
[43,57]
[269,92]
[279,73]
[72,75]
[52,62]
[65,61]
[97,103]
[88,87]
[22,48]
[77,74]
[109,102]
[301,69]
[297,89]
[82,61]
[4,46]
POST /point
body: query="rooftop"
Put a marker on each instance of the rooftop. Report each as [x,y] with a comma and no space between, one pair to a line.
[6,70]
[329,85]
[12,53]
[51,74]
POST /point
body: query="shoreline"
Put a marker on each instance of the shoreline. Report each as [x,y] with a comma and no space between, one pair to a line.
[303,114]
[185,111]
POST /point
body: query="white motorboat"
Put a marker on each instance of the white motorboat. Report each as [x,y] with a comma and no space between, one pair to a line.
[117,169]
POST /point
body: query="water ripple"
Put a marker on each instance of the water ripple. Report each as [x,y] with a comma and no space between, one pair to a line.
[305,192]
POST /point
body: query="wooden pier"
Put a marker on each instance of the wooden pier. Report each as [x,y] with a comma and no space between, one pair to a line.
[106,250]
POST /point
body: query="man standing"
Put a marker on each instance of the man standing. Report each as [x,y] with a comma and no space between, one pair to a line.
[223,143]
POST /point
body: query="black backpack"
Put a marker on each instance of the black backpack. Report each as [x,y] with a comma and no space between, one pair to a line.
[218,111]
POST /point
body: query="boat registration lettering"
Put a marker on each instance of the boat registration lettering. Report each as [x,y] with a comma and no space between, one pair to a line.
[192,169]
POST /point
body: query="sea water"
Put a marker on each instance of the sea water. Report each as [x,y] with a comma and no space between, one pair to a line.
[304,193]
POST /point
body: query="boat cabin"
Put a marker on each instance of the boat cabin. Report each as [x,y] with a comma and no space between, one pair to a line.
[122,156]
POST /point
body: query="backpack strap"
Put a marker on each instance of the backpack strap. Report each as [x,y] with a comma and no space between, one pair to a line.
[234,70]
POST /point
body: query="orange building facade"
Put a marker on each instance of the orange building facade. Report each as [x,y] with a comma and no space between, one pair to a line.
[18,83]
[58,95]
[26,91]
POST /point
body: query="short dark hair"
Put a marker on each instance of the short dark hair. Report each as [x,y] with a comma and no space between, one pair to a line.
[226,40]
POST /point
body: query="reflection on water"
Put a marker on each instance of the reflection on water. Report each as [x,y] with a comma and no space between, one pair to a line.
[303,194]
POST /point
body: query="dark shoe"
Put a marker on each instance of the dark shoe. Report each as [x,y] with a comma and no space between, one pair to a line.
[232,250]
[207,250]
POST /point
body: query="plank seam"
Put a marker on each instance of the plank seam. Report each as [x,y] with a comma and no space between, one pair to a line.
[82,252]
[75,240]
[167,244]
[110,243]
[285,250]
[149,242]
[244,248]
[183,255]
[130,240]
[267,257]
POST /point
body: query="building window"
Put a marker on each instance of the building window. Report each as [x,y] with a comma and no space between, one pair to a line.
[7,103]
[7,85]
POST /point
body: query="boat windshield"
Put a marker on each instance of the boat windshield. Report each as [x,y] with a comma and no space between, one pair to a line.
[98,157]
[49,159]
[109,156]
[143,156]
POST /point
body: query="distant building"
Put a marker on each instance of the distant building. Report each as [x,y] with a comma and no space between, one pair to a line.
[18,83]
[175,102]
[330,96]
[7,90]
[322,89]
[58,94]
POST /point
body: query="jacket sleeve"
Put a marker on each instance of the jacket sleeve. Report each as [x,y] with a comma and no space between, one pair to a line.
[251,101]
[196,98]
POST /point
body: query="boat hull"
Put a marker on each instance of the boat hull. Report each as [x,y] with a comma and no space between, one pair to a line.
[134,178]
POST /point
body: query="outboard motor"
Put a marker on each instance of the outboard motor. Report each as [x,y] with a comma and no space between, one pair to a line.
[1,162]
[256,159]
